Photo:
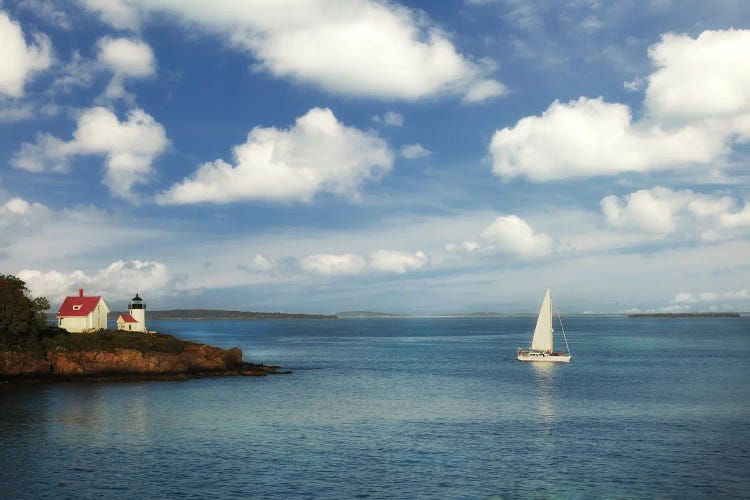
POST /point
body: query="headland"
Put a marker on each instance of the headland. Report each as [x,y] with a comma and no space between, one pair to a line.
[111,355]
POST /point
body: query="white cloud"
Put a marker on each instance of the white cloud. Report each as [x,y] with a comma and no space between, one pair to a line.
[332,264]
[697,106]
[698,79]
[737,219]
[127,59]
[317,154]
[512,235]
[393,119]
[703,297]
[117,13]
[346,264]
[129,148]
[507,235]
[262,263]
[653,210]
[393,261]
[19,61]
[663,210]
[355,47]
[483,90]
[590,137]
[77,71]
[414,151]
[18,216]
[465,247]
[116,282]
[684,298]
[48,11]
[738,294]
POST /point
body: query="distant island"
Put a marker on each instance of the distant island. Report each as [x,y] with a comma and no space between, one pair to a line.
[686,315]
[367,314]
[208,314]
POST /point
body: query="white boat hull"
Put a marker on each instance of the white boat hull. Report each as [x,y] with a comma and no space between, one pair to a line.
[544,357]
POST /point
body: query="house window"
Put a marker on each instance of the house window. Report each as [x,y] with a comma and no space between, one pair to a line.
[76,308]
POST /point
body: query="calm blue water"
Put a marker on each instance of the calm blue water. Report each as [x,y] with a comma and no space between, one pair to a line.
[382,408]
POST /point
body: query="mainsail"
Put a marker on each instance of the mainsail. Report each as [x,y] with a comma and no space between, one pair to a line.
[543,332]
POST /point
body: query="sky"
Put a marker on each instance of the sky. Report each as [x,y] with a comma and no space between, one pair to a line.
[412,157]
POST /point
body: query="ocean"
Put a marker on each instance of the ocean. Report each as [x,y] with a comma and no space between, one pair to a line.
[404,408]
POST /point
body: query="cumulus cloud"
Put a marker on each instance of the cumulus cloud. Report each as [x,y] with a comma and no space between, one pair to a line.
[19,60]
[394,261]
[663,210]
[414,151]
[511,234]
[129,148]
[115,282]
[697,106]
[355,47]
[698,79]
[333,264]
[317,154]
[507,235]
[590,137]
[126,58]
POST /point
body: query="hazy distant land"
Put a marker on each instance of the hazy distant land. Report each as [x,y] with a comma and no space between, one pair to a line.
[686,315]
[196,314]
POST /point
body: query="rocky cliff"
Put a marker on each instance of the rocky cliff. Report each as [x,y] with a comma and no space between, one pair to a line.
[196,360]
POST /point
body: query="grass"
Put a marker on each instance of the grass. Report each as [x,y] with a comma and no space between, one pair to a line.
[109,340]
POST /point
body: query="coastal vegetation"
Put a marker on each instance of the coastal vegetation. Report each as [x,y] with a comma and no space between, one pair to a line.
[22,320]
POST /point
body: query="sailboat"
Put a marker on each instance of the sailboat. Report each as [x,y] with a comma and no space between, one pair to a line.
[541,344]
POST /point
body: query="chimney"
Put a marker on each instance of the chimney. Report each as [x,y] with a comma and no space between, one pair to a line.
[80,292]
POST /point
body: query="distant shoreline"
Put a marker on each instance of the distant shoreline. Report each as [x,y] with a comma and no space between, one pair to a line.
[686,315]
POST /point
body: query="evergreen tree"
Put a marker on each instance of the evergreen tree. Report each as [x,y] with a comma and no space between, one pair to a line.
[19,321]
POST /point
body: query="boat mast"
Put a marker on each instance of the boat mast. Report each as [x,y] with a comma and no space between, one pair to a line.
[551,330]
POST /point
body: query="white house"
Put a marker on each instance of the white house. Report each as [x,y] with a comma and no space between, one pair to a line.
[83,314]
[135,320]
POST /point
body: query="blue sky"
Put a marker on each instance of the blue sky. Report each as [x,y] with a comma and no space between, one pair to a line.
[413,157]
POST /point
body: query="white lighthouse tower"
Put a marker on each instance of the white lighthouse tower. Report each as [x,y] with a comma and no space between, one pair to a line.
[137,310]
[135,320]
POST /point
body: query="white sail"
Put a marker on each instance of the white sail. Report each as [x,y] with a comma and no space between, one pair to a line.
[543,332]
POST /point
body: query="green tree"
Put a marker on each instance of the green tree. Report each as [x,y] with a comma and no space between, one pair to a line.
[18,316]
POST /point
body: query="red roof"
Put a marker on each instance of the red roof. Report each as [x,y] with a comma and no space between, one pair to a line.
[127,318]
[78,306]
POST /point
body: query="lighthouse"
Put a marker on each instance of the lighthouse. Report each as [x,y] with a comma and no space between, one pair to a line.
[137,309]
[135,320]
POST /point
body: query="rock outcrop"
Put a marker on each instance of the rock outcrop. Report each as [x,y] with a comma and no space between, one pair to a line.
[196,360]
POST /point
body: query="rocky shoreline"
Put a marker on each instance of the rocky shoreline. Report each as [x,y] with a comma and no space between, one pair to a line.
[195,361]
